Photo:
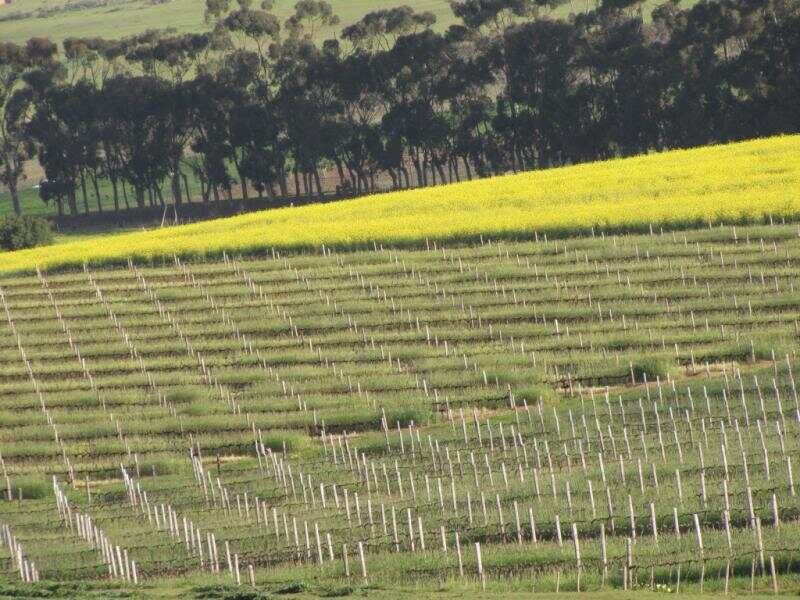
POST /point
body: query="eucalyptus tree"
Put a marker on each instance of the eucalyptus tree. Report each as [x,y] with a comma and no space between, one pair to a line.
[63,128]
[307,97]
[18,65]
[255,101]
[95,61]
[141,106]
[174,59]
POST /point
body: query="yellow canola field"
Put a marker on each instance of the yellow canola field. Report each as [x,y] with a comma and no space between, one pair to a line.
[740,182]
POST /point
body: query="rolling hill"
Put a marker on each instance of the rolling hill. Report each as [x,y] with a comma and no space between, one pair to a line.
[745,182]
[59,19]
[579,381]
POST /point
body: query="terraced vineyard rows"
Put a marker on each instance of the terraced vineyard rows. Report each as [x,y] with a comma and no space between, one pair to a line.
[607,410]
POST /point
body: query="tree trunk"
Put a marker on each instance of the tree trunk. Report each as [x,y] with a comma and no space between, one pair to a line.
[355,182]
[139,196]
[12,189]
[73,204]
[83,192]
[159,194]
[115,192]
[363,184]
[204,191]
[296,183]
[404,171]
[282,184]
[439,168]
[418,169]
[242,179]
[341,173]
[125,195]
[186,185]
[455,170]
[177,192]
[97,193]
[319,184]
[520,158]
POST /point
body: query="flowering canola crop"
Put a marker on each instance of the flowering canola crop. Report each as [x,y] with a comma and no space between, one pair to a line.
[741,182]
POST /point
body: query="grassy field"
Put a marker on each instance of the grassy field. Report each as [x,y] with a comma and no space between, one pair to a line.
[127,17]
[745,183]
[634,395]
[120,18]
[32,204]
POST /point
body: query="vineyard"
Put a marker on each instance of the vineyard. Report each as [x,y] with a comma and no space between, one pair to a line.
[601,411]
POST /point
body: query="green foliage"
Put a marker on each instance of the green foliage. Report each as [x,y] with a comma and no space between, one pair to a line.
[242,377]
[163,467]
[535,394]
[294,442]
[17,232]
[648,369]
[186,395]
[294,587]
[57,589]
[406,415]
[224,592]
[199,408]
[336,592]
[31,487]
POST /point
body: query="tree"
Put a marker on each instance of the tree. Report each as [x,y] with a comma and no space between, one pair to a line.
[379,30]
[496,15]
[766,75]
[65,131]
[140,105]
[310,17]
[508,87]
[17,63]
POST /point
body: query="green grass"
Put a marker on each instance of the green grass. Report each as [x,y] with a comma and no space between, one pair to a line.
[205,588]
[32,204]
[124,18]
[127,17]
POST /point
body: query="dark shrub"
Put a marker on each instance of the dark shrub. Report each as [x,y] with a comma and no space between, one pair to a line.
[24,232]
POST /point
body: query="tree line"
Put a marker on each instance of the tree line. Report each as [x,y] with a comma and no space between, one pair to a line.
[265,106]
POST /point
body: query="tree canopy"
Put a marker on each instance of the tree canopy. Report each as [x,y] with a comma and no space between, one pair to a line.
[268,107]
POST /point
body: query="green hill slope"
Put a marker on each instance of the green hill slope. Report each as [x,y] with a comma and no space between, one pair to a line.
[744,182]
[119,18]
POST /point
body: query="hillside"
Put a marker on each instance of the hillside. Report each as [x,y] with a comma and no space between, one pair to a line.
[428,108]
[119,18]
[419,394]
[744,182]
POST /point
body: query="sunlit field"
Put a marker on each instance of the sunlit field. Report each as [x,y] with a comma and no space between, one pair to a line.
[750,182]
